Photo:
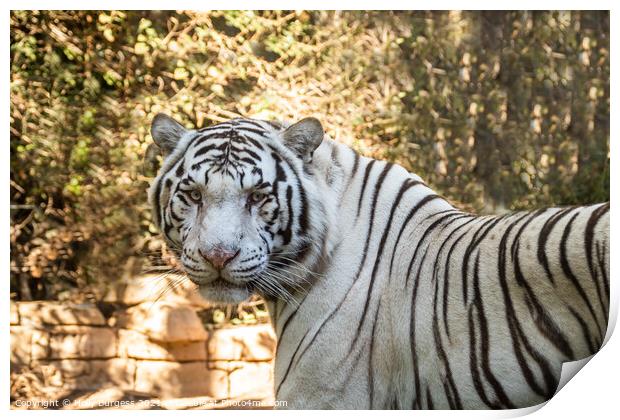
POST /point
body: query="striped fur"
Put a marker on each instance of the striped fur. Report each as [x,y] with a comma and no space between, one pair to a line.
[396,299]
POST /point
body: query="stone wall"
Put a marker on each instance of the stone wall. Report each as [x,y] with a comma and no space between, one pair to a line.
[160,349]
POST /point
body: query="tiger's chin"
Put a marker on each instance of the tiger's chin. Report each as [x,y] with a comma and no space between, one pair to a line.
[222,291]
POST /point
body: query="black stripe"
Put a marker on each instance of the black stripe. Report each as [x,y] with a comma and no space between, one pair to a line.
[206,149]
[364,183]
[429,399]
[293,314]
[251,153]
[451,402]
[219,133]
[412,331]
[588,243]
[516,332]
[356,161]
[584,330]
[267,250]
[371,379]
[373,207]
[247,269]
[157,196]
[544,236]
[162,213]
[478,237]
[427,231]
[254,142]
[473,362]
[303,219]
[569,273]
[407,184]
[451,391]
[600,255]
[484,338]
[446,274]
[254,123]
[288,368]
[174,216]
[260,132]
[183,200]
[286,233]
[544,322]
[412,212]
[157,203]
[247,160]
[180,168]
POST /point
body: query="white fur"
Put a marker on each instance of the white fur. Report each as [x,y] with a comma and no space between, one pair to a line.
[367,327]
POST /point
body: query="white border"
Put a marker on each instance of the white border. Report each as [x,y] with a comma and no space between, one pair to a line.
[594,394]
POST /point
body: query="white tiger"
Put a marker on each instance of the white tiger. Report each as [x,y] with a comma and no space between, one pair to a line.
[381,293]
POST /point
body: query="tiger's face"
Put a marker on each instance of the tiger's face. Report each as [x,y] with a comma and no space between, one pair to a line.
[234,203]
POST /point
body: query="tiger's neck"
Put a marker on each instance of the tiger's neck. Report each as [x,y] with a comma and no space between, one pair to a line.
[358,195]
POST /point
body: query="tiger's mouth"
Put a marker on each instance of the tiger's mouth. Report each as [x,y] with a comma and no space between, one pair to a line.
[223,283]
[221,290]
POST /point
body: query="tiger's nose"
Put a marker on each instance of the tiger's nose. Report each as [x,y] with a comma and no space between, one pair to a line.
[218,257]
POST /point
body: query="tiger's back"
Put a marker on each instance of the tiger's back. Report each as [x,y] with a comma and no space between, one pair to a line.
[504,301]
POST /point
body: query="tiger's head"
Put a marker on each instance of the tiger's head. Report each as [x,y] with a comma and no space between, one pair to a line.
[237,204]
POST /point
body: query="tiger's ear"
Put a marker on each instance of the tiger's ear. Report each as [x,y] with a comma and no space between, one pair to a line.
[304,137]
[166,132]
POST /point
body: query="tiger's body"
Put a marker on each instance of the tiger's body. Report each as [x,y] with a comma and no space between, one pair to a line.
[424,306]
[395,299]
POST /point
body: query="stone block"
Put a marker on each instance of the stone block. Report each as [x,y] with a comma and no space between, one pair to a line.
[251,380]
[120,372]
[179,380]
[163,321]
[89,374]
[250,343]
[21,344]
[56,313]
[40,344]
[77,342]
[138,346]
[222,371]
[14,317]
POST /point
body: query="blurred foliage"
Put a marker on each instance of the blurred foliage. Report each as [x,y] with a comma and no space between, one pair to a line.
[496,110]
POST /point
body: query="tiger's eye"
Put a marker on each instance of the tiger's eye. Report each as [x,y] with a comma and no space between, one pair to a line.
[256,197]
[195,195]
